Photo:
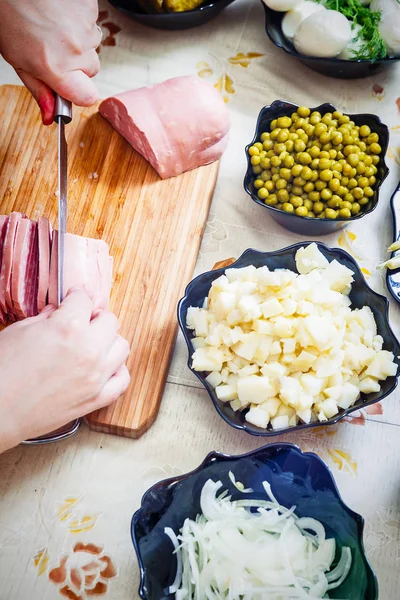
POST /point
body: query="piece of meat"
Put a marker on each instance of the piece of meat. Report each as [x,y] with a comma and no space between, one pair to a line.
[44,239]
[82,268]
[3,227]
[177,125]
[24,272]
[6,265]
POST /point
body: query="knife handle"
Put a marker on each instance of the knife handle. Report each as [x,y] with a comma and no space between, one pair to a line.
[62,109]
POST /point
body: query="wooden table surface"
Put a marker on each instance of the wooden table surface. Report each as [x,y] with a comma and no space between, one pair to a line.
[84,491]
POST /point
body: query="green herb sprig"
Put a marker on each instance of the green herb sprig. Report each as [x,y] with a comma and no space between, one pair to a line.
[373,47]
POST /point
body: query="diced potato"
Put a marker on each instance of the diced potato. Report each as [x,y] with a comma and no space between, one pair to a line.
[290,391]
[264,327]
[274,369]
[214,378]
[377,344]
[204,360]
[329,408]
[309,258]
[289,306]
[271,308]
[350,393]
[248,370]
[311,384]
[254,389]
[288,359]
[226,392]
[305,401]
[276,347]
[198,342]
[234,317]
[271,406]
[338,276]
[333,392]
[305,415]
[257,417]
[321,330]
[288,345]
[369,385]
[325,367]
[280,422]
[304,361]
[284,327]
[237,405]
[248,345]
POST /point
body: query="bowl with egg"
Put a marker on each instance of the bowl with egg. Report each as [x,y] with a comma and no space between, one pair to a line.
[316,169]
[287,340]
[171,14]
[267,524]
[335,37]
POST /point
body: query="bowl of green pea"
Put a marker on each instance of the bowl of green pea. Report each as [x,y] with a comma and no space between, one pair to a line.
[316,169]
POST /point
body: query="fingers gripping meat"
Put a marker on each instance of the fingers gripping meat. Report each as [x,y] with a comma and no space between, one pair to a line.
[177,125]
[28,267]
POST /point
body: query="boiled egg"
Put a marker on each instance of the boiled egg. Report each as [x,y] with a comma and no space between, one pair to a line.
[324,33]
[296,15]
[389,28]
[354,44]
[384,6]
[281,5]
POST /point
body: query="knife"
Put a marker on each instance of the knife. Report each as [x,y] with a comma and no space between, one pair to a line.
[62,116]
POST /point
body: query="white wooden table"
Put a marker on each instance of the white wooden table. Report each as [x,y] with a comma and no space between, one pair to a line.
[85,490]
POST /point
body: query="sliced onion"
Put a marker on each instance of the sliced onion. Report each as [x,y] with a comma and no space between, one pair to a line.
[174,587]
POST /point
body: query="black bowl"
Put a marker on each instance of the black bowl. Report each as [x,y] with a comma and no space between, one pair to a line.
[172,21]
[296,478]
[361,295]
[332,67]
[306,225]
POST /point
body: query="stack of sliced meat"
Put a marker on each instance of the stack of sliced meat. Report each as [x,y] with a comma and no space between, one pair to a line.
[28,267]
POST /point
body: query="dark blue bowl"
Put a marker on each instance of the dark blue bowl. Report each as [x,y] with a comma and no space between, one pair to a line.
[332,67]
[172,21]
[361,295]
[296,478]
[306,225]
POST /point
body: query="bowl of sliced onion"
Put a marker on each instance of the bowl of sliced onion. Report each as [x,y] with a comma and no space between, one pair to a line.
[290,339]
[267,524]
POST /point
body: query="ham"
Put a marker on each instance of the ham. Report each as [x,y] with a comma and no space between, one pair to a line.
[28,267]
[81,267]
[24,272]
[3,227]
[44,240]
[177,125]
[6,265]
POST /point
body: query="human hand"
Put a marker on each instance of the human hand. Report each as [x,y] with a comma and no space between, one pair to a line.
[58,366]
[52,46]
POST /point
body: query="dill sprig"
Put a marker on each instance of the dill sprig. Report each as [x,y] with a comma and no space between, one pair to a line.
[373,47]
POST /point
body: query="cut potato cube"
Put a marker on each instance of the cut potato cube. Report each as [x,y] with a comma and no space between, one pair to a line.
[276,347]
[280,422]
[198,342]
[207,359]
[338,277]
[333,392]
[289,306]
[284,327]
[234,317]
[271,406]
[263,327]
[274,370]
[304,361]
[309,258]
[237,405]
[271,308]
[305,401]
[248,345]
[329,408]
[305,415]
[290,391]
[321,330]
[254,389]
[257,417]
[288,345]
[226,393]
[321,416]
[369,385]
[243,274]
[350,393]
[248,370]
[214,378]
[311,384]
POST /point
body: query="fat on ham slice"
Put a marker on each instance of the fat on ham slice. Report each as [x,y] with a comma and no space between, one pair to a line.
[177,125]
[86,263]
[6,265]
[24,272]
[44,240]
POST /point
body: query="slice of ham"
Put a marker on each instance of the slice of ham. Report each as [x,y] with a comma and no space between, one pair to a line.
[24,273]
[82,267]
[3,228]
[6,265]
[177,125]
[44,239]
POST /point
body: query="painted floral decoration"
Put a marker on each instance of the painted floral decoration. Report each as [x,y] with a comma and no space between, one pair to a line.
[84,573]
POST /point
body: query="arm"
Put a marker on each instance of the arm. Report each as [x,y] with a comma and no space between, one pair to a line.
[52,46]
[58,366]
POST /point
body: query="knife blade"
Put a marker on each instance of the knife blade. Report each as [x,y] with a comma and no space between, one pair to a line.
[62,116]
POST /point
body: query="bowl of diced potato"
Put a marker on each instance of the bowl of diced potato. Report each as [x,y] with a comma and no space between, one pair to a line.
[290,339]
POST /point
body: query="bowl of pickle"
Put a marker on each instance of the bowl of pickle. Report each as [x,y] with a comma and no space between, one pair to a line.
[316,169]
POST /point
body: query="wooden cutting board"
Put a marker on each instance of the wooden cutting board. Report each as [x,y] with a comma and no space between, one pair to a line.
[153,228]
